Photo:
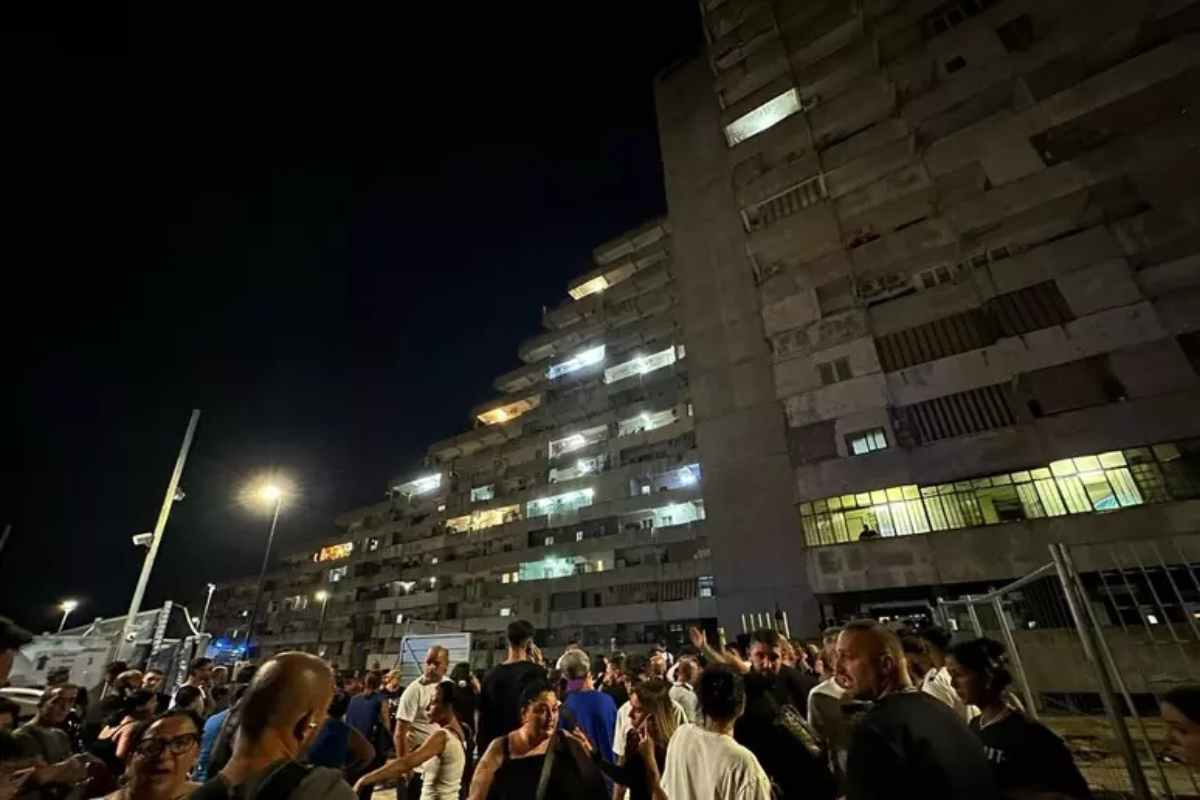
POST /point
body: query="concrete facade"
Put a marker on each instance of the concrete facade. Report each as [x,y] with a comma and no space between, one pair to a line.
[957,246]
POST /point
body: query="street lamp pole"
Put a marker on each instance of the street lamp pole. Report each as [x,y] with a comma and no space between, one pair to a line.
[207,602]
[262,573]
[323,596]
[67,607]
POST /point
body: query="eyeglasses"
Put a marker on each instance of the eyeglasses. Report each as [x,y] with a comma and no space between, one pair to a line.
[153,748]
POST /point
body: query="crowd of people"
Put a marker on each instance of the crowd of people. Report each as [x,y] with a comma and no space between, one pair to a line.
[864,712]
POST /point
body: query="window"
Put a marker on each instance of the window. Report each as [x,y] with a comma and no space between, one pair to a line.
[337,573]
[579,536]
[480,520]
[584,466]
[936,276]
[549,540]
[506,611]
[705,584]
[372,544]
[420,486]
[640,365]
[578,361]
[646,421]
[765,116]
[807,193]
[334,552]
[559,504]
[866,442]
[577,441]
[834,371]
[481,493]
[509,412]
[597,284]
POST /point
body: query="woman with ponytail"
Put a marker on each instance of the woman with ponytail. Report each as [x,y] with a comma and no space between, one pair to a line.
[1027,757]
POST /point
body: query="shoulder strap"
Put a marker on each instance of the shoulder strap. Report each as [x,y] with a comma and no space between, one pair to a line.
[547,767]
[280,784]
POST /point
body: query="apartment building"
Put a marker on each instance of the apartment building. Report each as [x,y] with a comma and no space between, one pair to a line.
[938,269]
[575,501]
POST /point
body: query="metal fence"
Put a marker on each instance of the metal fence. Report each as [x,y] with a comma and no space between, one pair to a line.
[1095,637]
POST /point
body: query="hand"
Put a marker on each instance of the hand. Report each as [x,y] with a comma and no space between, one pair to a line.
[645,746]
[698,638]
[736,660]
[581,739]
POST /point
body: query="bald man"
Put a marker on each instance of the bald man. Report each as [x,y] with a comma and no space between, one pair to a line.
[280,714]
[413,725]
[907,741]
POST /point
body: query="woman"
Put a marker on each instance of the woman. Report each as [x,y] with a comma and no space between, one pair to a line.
[1181,713]
[444,753]
[512,766]
[1026,756]
[164,752]
[135,709]
[704,762]
[651,718]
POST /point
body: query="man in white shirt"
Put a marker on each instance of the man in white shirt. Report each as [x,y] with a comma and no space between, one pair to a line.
[413,725]
[826,709]
[936,682]
[684,692]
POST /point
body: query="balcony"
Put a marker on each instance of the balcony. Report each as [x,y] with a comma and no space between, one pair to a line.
[696,608]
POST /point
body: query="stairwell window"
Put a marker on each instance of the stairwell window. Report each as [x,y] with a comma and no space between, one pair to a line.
[834,371]
[859,444]
[765,116]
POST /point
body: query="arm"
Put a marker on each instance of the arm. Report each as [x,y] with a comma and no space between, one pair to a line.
[400,739]
[653,779]
[362,752]
[124,742]
[433,746]
[485,772]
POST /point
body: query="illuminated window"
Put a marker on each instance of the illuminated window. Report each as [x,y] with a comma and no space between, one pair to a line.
[597,284]
[337,573]
[640,365]
[481,493]
[866,442]
[372,544]
[479,520]
[584,466]
[647,421]
[578,361]
[577,441]
[705,583]
[507,413]
[420,486]
[506,612]
[768,114]
[505,578]
[549,540]
[559,504]
[579,536]
[334,552]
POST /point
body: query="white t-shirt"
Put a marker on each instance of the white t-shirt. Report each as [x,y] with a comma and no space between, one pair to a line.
[621,732]
[685,697]
[702,765]
[416,698]
[938,684]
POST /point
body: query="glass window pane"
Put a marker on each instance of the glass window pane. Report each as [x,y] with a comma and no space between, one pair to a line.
[1150,483]
[1166,452]
[1052,501]
[1040,474]
[981,483]
[1001,480]
[806,508]
[1021,477]
[1074,495]
[1125,487]
[1098,490]
[864,499]
[1138,455]
[835,504]
[1113,459]
[895,493]
[954,511]
[884,517]
[878,496]
[839,527]
[928,491]
[812,536]
[826,528]
[910,492]
[916,515]
[946,488]
[937,515]
[1087,463]
[1064,467]
[900,519]
[820,505]
[1031,504]
[848,501]
[970,508]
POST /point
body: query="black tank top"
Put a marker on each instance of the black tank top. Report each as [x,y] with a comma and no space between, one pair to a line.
[517,778]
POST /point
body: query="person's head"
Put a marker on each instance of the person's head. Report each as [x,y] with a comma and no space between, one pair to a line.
[338,705]
[245,675]
[394,681]
[286,703]
[114,669]
[635,669]
[129,681]
[371,683]
[539,708]
[721,693]
[916,654]
[200,671]
[614,668]
[437,663]
[441,706]
[220,675]
[656,663]
[575,665]
[70,692]
[10,712]
[650,706]
[687,671]
[829,638]
[152,680]
[937,640]
[352,683]
[519,635]
[870,660]
[1181,713]
[979,670]
[766,651]
[164,752]
[139,705]
[12,638]
[52,708]
[461,674]
[189,698]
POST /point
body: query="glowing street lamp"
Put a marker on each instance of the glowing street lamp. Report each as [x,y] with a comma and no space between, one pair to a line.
[67,607]
[323,597]
[268,493]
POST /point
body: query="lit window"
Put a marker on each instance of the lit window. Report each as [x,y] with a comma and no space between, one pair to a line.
[442,507]
[506,612]
[433,582]
[577,441]
[549,540]
[597,284]
[505,578]
[337,573]
[419,486]
[647,421]
[563,503]
[866,442]
[334,552]
[479,520]
[640,365]
[433,560]
[578,361]
[481,493]
[834,371]
[768,114]
[705,583]
[583,466]
[399,618]
[507,413]
[645,488]
[1152,619]
[372,544]
[579,536]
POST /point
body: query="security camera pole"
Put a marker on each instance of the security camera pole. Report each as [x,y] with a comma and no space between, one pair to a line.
[127,635]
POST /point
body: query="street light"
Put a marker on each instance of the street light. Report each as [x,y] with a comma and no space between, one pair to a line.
[67,607]
[323,596]
[269,492]
[212,587]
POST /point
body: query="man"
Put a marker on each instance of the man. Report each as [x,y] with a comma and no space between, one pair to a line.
[830,710]
[936,681]
[907,741]
[219,690]
[200,677]
[367,713]
[12,638]
[281,713]
[499,697]
[413,725]
[684,690]
[216,741]
[614,679]
[42,738]
[592,711]
[152,681]
[790,686]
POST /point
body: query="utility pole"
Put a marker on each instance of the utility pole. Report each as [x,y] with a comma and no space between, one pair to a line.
[135,605]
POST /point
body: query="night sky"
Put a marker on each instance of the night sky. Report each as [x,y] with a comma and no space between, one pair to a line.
[327,231]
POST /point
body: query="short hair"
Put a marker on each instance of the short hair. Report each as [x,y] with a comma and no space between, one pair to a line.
[197,664]
[937,636]
[372,681]
[339,704]
[532,690]
[519,632]
[721,693]
[986,657]
[575,665]
[186,696]
[766,636]
[135,701]
[245,674]
[448,695]
[140,730]
[154,670]
[1186,699]
[887,637]
[461,672]
[830,633]
[115,668]
[616,659]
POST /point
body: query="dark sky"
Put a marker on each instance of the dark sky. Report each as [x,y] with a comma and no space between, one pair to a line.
[327,231]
